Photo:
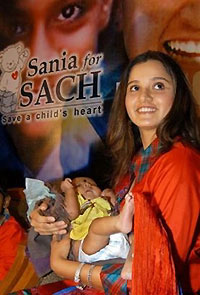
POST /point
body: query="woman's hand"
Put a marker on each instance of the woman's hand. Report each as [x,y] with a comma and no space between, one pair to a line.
[46,225]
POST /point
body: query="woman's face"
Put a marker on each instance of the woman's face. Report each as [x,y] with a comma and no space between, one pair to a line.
[49,27]
[169,26]
[150,95]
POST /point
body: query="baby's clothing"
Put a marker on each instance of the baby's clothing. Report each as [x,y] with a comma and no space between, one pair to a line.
[90,210]
[118,247]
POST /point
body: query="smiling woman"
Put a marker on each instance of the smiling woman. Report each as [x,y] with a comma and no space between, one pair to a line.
[150,95]
[157,135]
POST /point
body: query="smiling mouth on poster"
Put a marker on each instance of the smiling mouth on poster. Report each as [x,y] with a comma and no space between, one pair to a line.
[33,97]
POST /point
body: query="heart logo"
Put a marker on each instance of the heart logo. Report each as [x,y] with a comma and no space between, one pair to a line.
[15,75]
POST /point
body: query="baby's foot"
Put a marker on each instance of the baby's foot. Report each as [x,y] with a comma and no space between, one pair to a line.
[125,218]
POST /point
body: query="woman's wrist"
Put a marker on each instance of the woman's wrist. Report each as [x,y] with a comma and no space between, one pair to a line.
[77,275]
[89,276]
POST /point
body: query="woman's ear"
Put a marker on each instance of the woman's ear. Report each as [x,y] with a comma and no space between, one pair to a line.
[106,9]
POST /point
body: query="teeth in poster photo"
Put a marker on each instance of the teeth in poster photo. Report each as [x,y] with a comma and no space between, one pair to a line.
[190,49]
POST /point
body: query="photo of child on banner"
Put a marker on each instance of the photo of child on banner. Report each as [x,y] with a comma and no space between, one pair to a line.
[66,90]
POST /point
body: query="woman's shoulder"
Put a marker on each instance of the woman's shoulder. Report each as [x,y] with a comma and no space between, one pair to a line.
[181,159]
[181,152]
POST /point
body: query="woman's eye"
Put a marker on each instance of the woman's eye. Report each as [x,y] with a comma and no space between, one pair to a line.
[70,12]
[159,86]
[134,88]
[19,28]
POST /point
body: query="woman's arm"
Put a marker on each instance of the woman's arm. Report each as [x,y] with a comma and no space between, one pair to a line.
[175,186]
[67,268]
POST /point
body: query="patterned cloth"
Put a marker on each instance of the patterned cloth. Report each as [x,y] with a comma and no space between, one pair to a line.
[142,162]
[144,159]
[111,279]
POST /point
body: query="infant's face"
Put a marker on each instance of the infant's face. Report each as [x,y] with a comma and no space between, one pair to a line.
[87,187]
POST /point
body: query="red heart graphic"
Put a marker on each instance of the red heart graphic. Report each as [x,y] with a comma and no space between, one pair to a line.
[15,75]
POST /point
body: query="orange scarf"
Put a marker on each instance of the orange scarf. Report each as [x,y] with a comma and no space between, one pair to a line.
[153,266]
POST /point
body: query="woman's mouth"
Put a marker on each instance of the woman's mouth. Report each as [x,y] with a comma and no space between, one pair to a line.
[146,110]
[190,49]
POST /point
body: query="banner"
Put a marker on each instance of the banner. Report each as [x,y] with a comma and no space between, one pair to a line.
[59,64]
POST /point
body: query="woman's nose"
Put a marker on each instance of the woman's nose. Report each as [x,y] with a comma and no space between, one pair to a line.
[40,44]
[146,95]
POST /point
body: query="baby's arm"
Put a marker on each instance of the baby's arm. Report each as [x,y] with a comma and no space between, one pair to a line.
[71,201]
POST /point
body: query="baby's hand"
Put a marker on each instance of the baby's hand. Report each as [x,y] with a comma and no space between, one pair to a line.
[66,185]
[109,195]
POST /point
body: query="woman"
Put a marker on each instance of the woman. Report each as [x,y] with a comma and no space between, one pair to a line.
[154,138]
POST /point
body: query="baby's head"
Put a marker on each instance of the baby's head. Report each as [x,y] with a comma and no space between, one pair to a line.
[87,187]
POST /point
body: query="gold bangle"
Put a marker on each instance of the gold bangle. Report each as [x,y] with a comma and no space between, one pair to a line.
[89,277]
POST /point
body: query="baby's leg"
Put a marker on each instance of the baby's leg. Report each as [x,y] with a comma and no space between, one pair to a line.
[101,228]
[125,218]
[98,234]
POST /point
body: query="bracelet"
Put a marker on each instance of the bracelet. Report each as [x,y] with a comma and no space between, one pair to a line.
[89,277]
[77,273]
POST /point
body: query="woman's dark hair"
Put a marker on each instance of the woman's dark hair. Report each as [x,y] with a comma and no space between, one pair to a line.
[182,121]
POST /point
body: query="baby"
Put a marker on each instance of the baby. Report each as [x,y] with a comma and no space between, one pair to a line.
[81,205]
[95,235]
